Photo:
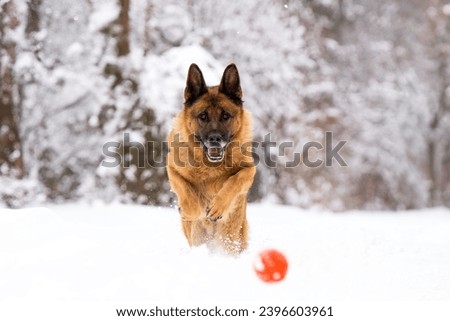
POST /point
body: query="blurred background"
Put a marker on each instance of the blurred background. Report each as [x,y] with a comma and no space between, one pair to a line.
[75,75]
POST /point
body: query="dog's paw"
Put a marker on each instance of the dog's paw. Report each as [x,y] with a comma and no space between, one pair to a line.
[216,209]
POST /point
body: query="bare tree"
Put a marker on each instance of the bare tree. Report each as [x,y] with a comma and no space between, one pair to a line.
[123,39]
[438,139]
[147,31]
[33,19]
[11,161]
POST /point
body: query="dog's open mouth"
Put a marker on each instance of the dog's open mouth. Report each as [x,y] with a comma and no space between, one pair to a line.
[214,153]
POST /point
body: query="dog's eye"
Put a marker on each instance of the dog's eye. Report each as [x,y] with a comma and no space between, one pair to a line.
[225,116]
[203,116]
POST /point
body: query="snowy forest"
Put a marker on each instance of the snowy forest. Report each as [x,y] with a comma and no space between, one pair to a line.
[75,75]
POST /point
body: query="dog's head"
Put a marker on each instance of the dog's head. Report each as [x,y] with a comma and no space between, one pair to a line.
[213,112]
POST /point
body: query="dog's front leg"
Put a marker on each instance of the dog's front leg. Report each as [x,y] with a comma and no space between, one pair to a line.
[188,198]
[234,186]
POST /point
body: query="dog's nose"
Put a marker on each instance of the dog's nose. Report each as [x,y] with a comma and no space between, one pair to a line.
[214,138]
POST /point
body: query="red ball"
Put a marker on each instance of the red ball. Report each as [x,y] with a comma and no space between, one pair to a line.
[270,266]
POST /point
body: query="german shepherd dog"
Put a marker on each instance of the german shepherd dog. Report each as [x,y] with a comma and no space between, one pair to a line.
[210,164]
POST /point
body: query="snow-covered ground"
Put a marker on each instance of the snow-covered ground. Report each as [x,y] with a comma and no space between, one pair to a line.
[129,252]
[120,252]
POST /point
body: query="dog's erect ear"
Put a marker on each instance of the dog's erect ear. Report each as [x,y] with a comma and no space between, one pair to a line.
[230,84]
[195,85]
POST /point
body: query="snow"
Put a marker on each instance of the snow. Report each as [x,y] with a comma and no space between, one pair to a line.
[75,49]
[103,14]
[446,9]
[318,90]
[124,252]
[174,25]
[169,71]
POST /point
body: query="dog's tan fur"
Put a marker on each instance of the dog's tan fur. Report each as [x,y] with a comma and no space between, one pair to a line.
[212,196]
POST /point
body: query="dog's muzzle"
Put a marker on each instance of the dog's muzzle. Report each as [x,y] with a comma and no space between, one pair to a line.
[215,153]
[214,146]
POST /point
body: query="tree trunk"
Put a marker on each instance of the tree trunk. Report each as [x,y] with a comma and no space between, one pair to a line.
[123,41]
[11,161]
[438,134]
[436,143]
[33,19]
[147,32]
